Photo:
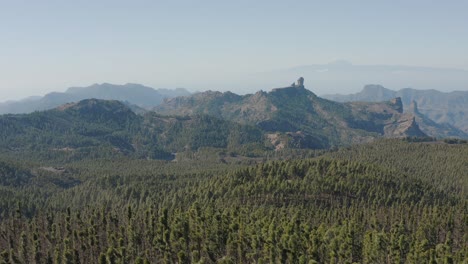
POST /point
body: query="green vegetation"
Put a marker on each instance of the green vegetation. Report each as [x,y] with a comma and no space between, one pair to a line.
[93,182]
[109,129]
[387,202]
[455,141]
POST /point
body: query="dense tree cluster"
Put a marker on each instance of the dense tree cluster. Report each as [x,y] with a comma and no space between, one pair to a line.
[386,202]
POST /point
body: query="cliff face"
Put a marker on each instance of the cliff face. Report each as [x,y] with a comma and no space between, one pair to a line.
[404,126]
[432,128]
[443,108]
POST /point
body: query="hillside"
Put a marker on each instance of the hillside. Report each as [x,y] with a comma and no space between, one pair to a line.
[294,111]
[100,128]
[135,94]
[450,108]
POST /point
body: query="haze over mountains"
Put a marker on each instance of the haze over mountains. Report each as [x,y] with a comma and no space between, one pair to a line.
[291,117]
[285,118]
[135,94]
[450,108]
[346,77]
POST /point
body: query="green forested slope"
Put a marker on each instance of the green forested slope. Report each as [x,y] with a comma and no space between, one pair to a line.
[445,166]
[388,202]
[109,129]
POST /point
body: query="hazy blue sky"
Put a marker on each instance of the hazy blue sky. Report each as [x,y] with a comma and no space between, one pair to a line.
[51,45]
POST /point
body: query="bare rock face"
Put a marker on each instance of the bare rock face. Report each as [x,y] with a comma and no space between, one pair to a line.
[300,82]
[397,104]
[413,107]
[404,126]
[413,129]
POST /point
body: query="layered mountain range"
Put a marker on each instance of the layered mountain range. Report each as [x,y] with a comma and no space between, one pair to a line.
[291,117]
[134,94]
[443,108]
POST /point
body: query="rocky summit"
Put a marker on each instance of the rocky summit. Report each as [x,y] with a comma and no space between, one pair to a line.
[294,108]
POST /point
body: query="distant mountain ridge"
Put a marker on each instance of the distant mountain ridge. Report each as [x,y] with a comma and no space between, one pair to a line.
[135,94]
[450,108]
[346,77]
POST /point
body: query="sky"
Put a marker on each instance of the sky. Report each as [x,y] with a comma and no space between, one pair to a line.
[52,45]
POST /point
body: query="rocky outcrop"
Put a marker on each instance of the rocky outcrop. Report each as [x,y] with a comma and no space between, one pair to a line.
[298,83]
[413,108]
[397,104]
[431,128]
[404,126]
[450,108]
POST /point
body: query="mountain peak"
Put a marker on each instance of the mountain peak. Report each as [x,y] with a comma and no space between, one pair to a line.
[404,126]
[110,112]
[95,105]
[377,91]
[373,87]
[297,84]
[295,89]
